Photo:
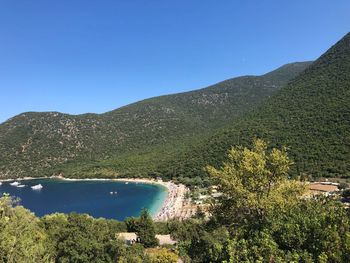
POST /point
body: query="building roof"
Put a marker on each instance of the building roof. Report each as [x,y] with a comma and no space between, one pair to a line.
[163,239]
[127,235]
[320,187]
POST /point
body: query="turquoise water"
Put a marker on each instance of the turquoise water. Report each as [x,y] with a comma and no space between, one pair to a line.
[91,197]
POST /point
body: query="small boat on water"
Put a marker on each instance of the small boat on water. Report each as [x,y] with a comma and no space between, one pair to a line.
[126,182]
[37,187]
[21,185]
[113,193]
[15,183]
[0,183]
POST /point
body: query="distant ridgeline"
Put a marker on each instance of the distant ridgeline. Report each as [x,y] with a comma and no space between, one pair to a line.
[303,107]
[36,144]
[311,115]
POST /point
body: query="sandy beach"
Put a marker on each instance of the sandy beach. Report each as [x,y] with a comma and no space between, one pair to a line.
[173,205]
[174,202]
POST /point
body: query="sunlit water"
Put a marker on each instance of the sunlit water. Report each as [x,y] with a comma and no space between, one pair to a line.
[91,197]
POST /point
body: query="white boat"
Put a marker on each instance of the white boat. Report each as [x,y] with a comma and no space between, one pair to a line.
[15,183]
[21,185]
[0,183]
[37,187]
[126,182]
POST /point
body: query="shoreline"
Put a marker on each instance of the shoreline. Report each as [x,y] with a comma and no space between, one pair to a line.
[171,205]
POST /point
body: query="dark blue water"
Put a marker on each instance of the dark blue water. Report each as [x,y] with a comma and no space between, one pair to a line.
[91,197]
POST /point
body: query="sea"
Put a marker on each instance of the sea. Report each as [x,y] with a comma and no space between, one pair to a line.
[107,199]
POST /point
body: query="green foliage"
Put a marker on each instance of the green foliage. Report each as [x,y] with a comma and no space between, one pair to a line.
[346,193]
[311,115]
[131,224]
[80,238]
[134,139]
[146,231]
[263,216]
[21,237]
[253,182]
[162,228]
[320,226]
[133,254]
[258,247]
[208,246]
[186,229]
[313,230]
[199,213]
[162,255]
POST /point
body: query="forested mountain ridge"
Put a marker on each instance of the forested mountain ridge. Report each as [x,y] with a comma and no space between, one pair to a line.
[33,144]
[311,116]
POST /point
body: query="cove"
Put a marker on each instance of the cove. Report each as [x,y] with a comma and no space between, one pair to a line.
[92,197]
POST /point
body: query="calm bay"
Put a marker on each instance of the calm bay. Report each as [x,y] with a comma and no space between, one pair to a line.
[108,199]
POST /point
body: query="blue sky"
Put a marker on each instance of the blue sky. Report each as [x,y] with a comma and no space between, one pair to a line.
[95,56]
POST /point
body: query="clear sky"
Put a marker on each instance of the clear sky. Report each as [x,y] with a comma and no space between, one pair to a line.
[94,56]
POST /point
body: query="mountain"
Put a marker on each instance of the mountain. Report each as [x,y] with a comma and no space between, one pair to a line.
[36,144]
[311,116]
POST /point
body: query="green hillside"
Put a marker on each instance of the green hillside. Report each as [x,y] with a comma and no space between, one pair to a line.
[36,144]
[311,116]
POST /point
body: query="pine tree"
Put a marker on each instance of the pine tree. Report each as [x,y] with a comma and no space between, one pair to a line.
[146,231]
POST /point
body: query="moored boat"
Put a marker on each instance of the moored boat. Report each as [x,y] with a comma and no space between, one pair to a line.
[37,187]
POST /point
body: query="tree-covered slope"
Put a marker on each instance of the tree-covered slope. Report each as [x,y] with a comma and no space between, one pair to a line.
[35,144]
[311,116]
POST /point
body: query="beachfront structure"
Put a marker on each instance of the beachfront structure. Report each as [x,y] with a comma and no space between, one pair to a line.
[131,238]
[325,188]
[128,238]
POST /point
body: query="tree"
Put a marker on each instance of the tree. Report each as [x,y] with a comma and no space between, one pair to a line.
[54,226]
[199,213]
[134,254]
[346,193]
[81,238]
[131,224]
[162,255]
[267,217]
[208,246]
[146,231]
[254,182]
[21,237]
[318,225]
[186,229]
